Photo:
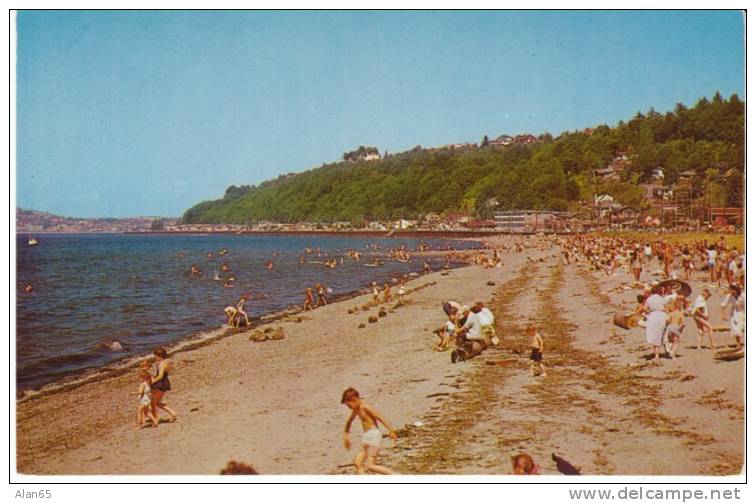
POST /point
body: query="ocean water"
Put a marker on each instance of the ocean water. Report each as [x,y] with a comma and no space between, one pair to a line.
[90,290]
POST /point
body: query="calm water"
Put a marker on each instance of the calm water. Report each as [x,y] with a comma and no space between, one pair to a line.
[90,290]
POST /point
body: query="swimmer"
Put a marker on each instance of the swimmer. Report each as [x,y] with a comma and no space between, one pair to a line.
[28,288]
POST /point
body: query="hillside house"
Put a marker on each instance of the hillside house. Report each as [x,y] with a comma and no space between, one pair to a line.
[525,139]
[362,154]
[502,141]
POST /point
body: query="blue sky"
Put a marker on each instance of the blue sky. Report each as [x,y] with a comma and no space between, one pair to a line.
[146,113]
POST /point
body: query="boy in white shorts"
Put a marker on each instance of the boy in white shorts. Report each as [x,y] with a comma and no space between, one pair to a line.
[371,439]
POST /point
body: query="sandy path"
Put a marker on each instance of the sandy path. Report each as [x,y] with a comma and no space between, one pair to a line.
[602,406]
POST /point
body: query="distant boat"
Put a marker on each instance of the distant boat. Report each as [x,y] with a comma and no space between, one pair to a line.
[31,240]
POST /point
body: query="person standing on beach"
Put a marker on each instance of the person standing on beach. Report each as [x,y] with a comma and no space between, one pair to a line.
[161,385]
[322,300]
[309,299]
[700,313]
[144,404]
[386,292]
[371,439]
[536,350]
[240,309]
[675,325]
[656,322]
[735,301]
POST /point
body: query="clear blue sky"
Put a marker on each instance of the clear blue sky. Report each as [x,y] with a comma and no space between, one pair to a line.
[146,113]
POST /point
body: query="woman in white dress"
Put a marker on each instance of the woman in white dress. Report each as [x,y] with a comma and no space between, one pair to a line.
[656,322]
[735,300]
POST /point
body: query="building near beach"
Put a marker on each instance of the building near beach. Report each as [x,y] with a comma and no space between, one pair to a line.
[529,220]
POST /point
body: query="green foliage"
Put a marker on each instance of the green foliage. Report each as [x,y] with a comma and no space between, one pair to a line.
[553,173]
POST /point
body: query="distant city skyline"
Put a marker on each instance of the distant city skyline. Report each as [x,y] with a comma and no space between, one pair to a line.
[122,114]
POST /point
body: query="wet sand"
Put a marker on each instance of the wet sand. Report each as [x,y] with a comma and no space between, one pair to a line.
[275,405]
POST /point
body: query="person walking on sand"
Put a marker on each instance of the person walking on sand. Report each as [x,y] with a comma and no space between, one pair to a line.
[536,350]
[322,300]
[675,326]
[735,300]
[700,313]
[309,299]
[144,403]
[371,438]
[161,385]
[656,322]
[386,292]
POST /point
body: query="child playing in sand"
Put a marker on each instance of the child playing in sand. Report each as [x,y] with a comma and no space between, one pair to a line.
[144,410]
[371,439]
[386,292]
[376,294]
[675,326]
[401,292]
[446,334]
[536,350]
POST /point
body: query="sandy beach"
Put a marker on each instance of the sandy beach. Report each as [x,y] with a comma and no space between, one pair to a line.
[276,405]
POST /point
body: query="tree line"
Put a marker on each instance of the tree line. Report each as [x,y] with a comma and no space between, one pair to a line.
[554,173]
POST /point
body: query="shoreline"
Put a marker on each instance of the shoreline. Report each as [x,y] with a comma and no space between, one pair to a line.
[275,405]
[190,342]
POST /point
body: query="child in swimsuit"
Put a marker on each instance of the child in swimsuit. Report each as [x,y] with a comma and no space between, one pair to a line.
[675,326]
[371,439]
[144,410]
[536,350]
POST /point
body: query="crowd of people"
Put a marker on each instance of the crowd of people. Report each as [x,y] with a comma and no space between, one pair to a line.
[654,267]
[657,269]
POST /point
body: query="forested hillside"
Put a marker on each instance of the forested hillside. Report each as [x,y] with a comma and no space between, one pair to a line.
[555,173]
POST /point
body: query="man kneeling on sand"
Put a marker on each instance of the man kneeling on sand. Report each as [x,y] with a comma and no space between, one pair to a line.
[470,338]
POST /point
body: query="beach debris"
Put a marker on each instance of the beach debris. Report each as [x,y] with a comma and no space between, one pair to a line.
[502,363]
[434,395]
[269,334]
[564,466]
[372,319]
[382,313]
[361,325]
[730,354]
[687,377]
[194,409]
[491,283]
[366,307]
[417,424]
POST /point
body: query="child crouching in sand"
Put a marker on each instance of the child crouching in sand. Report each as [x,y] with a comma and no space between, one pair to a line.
[371,438]
[144,410]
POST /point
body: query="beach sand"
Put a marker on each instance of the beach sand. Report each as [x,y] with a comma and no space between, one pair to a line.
[276,405]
